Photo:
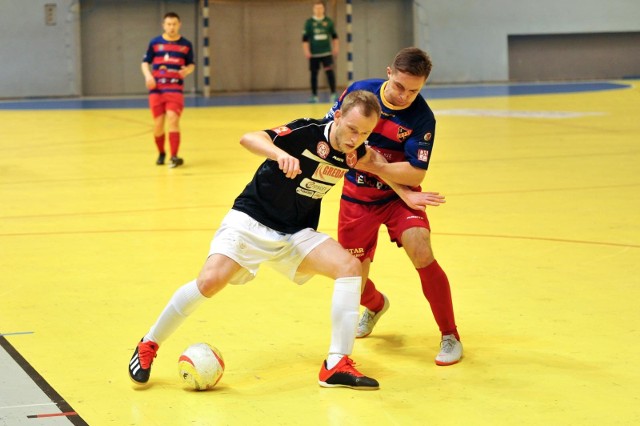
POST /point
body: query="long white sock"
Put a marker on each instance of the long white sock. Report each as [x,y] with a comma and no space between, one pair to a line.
[344,318]
[183,302]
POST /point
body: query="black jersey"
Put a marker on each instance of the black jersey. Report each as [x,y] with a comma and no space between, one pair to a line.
[289,205]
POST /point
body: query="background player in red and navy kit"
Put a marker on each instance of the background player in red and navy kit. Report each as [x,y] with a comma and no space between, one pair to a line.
[168,60]
[404,135]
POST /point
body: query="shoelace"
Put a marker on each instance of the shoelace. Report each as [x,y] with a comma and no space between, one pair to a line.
[367,316]
[146,353]
[447,345]
[350,367]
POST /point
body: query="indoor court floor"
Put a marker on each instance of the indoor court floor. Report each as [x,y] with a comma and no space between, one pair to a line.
[540,238]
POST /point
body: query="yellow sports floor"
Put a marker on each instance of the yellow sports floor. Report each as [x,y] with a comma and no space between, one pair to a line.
[540,238]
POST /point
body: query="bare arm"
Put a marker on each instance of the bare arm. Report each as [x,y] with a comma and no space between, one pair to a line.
[185,71]
[261,144]
[414,199]
[149,81]
[306,50]
[401,172]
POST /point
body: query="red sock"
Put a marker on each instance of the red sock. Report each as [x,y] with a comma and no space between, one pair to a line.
[436,289]
[174,142]
[371,298]
[160,143]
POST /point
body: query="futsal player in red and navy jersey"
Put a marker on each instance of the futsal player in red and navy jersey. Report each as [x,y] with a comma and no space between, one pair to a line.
[404,135]
[168,60]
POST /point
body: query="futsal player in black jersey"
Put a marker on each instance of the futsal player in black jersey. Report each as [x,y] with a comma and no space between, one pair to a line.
[274,221]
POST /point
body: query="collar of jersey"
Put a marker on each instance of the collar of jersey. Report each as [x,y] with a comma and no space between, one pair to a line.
[384,100]
[326,131]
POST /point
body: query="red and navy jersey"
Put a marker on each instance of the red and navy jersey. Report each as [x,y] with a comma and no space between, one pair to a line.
[401,135]
[290,205]
[166,59]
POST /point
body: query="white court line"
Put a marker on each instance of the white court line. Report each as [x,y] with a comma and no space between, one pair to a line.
[16,332]
[7,407]
[515,114]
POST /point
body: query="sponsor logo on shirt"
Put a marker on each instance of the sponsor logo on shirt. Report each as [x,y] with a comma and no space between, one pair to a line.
[403,133]
[282,130]
[328,173]
[318,187]
[370,182]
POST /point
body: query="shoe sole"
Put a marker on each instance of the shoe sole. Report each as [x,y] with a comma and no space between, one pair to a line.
[327,385]
[139,385]
[444,364]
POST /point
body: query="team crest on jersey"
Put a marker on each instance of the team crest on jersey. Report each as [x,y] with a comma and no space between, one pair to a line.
[423,154]
[403,133]
[323,149]
[427,136]
[282,130]
[352,159]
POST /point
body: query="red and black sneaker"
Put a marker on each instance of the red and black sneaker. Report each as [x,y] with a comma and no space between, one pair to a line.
[344,374]
[140,364]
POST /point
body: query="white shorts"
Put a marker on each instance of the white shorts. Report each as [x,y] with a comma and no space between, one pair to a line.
[250,243]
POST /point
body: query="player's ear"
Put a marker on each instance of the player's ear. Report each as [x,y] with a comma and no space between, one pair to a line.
[337,114]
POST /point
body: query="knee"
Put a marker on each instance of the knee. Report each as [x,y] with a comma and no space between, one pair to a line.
[351,267]
[208,282]
[173,121]
[421,255]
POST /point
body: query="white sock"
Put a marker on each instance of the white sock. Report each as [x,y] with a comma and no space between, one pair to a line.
[183,302]
[344,318]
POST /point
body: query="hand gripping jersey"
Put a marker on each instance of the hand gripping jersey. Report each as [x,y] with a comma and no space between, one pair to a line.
[400,135]
[289,205]
[166,59]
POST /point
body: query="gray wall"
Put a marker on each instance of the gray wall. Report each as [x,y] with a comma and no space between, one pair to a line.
[574,56]
[256,44]
[467,39]
[39,59]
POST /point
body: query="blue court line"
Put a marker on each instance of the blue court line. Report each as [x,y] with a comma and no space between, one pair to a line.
[280,98]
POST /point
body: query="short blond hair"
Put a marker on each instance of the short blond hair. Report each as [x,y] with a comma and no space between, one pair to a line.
[366,101]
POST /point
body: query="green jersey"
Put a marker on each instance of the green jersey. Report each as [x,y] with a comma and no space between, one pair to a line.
[320,34]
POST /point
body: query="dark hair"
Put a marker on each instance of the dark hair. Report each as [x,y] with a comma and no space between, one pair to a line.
[171,15]
[414,61]
[366,101]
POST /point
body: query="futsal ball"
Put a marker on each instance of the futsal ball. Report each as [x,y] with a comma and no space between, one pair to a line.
[201,366]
